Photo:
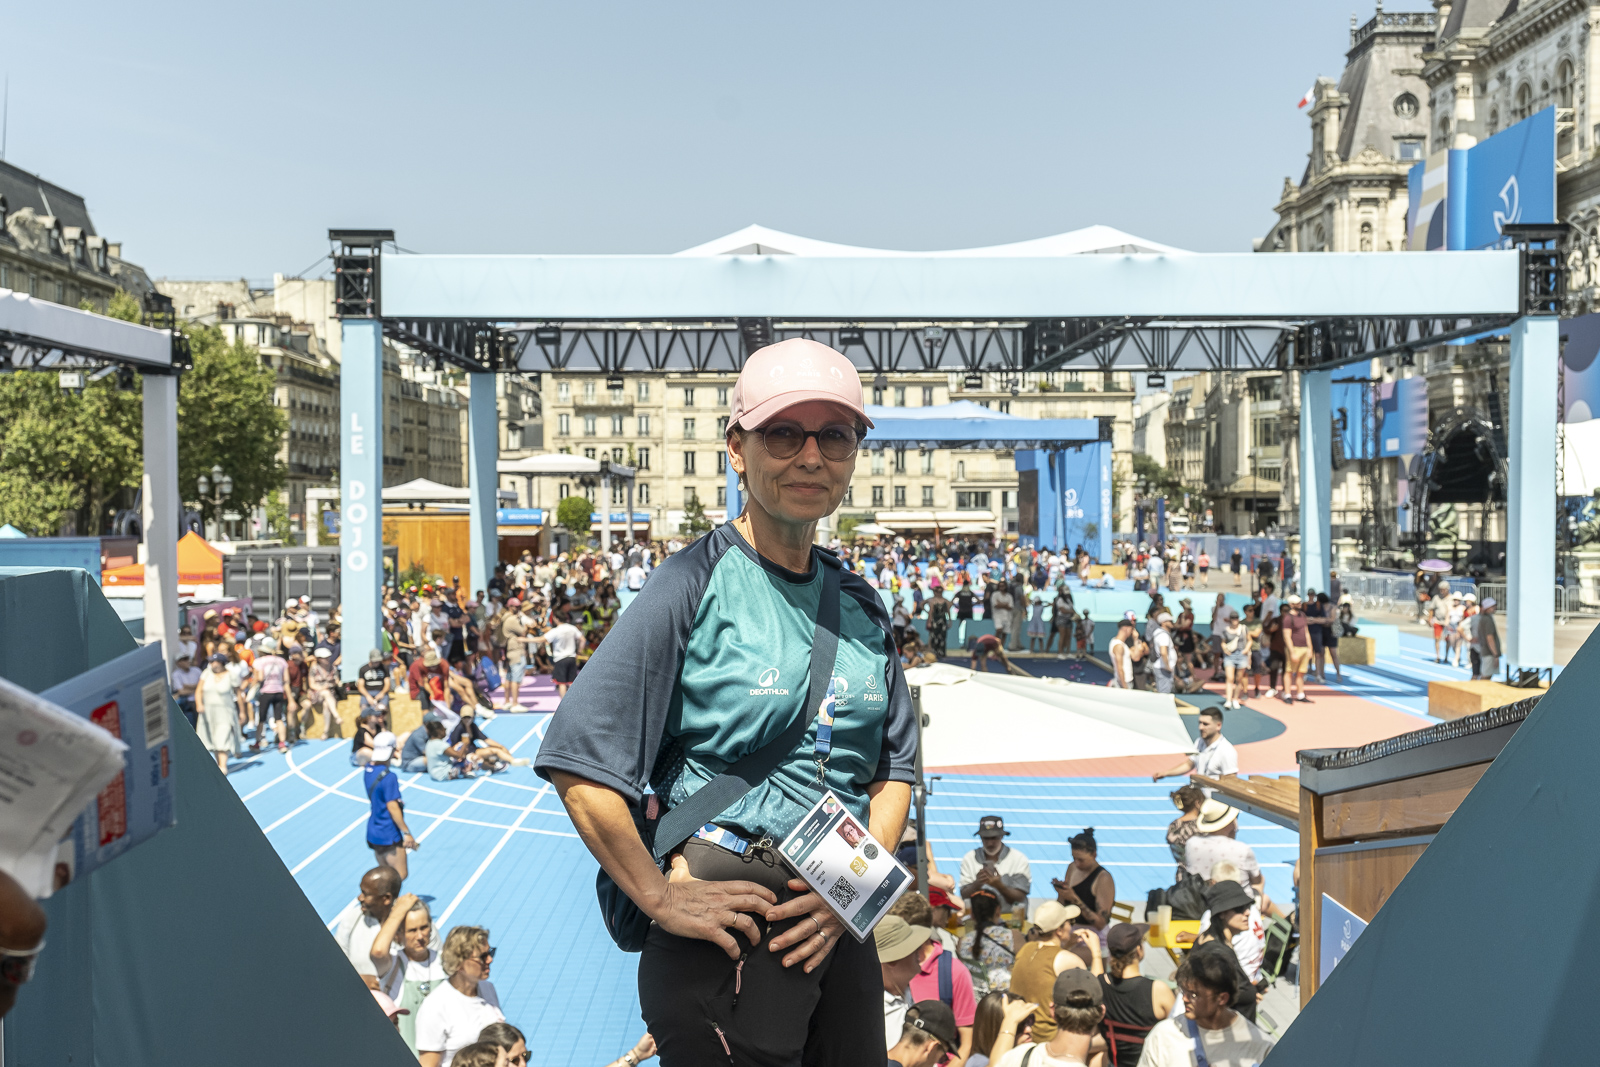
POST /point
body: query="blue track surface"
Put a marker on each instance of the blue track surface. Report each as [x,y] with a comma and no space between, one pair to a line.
[500,852]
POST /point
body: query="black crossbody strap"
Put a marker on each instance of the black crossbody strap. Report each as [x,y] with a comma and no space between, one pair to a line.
[725,790]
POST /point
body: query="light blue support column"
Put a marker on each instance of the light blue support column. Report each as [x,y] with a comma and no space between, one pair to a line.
[735,498]
[1316,478]
[1529,629]
[483,456]
[360,489]
[1102,550]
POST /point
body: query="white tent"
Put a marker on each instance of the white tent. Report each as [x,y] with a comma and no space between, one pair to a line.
[997,718]
[761,241]
[424,491]
[549,463]
[872,529]
[1580,463]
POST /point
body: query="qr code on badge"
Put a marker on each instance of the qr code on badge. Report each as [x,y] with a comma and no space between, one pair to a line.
[843,893]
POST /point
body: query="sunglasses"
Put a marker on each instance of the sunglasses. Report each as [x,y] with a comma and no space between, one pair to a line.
[483,957]
[784,440]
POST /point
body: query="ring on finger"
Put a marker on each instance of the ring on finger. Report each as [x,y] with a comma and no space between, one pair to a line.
[813,918]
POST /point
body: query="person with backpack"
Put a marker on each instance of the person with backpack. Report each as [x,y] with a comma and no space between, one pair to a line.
[707,692]
[387,833]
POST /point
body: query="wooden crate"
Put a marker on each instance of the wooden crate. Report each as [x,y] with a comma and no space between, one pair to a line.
[1359,651]
[1452,700]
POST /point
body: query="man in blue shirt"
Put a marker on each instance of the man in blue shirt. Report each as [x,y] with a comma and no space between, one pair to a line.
[387,833]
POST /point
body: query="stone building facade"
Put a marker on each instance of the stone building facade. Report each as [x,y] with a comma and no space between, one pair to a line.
[49,247]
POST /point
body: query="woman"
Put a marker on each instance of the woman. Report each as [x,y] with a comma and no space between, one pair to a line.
[1277,652]
[1188,799]
[1235,922]
[457,1009]
[990,948]
[1037,633]
[1331,630]
[322,683]
[219,710]
[508,1037]
[1134,1003]
[938,609]
[1088,885]
[1235,658]
[422,971]
[1317,618]
[671,699]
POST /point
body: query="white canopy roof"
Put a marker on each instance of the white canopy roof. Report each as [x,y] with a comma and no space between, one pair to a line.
[549,463]
[761,241]
[45,325]
[1581,460]
[424,491]
[977,718]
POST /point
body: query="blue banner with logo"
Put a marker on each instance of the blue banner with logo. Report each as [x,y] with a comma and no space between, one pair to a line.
[1463,198]
[1339,930]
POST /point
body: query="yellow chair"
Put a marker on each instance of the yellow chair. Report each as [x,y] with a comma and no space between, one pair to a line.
[1165,930]
[1122,911]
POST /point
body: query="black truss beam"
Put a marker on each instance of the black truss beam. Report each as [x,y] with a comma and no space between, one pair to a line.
[479,347]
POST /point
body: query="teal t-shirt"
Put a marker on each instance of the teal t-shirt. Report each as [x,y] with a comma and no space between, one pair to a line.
[710,663]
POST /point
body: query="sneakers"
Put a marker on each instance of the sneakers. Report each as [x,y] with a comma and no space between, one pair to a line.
[522,761]
[1303,699]
[1270,693]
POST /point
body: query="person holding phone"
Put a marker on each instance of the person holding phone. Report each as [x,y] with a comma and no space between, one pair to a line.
[709,664]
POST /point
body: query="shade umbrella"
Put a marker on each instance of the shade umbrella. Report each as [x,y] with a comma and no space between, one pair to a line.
[969,528]
[872,529]
[1434,566]
[979,718]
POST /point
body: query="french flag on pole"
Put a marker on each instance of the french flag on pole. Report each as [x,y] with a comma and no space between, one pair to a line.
[1311,94]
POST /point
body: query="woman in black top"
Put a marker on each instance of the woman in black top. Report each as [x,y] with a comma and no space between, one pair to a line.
[1133,1002]
[964,602]
[1088,885]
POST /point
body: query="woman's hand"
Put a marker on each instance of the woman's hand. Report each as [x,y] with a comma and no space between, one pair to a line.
[813,937]
[1015,1011]
[690,907]
[644,1049]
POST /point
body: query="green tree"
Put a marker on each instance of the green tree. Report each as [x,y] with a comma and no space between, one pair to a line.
[65,454]
[847,526]
[576,514]
[226,418]
[695,522]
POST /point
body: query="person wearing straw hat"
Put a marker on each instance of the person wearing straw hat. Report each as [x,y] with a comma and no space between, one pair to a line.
[1215,841]
[709,665]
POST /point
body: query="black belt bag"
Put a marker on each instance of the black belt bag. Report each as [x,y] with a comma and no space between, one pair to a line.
[625,921]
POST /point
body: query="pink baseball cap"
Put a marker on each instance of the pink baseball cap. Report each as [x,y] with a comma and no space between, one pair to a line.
[792,372]
[390,1008]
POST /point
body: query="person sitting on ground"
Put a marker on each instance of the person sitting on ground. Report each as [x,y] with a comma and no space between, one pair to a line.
[1078,1008]
[990,948]
[441,761]
[492,755]
[1188,799]
[368,727]
[458,1009]
[357,926]
[928,1035]
[1208,981]
[414,749]
[1134,1003]
[916,654]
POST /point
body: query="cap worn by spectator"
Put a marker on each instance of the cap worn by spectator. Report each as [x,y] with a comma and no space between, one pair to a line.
[934,1018]
[1214,815]
[1489,602]
[1123,938]
[1165,616]
[218,657]
[430,657]
[269,646]
[896,939]
[1294,598]
[792,372]
[390,1008]
[992,826]
[1052,913]
[1077,980]
[1227,895]
[291,603]
[374,656]
[938,898]
[323,653]
[513,603]
[383,748]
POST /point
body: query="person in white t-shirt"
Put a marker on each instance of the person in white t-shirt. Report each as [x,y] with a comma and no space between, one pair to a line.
[456,1012]
[1215,755]
[564,641]
[1207,981]
[357,926]
[635,577]
[409,929]
[1165,652]
[1214,843]
[1122,655]
[1240,914]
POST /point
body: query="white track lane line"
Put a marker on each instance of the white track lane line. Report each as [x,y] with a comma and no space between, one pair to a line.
[444,918]
[324,791]
[290,772]
[538,730]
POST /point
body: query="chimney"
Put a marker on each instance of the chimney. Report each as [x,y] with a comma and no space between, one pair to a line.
[114,249]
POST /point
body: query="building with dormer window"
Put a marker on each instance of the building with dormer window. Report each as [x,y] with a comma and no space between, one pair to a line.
[49,247]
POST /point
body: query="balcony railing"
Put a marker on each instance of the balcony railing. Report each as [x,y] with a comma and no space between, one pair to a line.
[1401,21]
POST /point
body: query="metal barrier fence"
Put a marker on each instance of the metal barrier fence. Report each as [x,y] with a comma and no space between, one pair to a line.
[1397,593]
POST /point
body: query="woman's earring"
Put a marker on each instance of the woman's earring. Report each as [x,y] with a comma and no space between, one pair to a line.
[741,481]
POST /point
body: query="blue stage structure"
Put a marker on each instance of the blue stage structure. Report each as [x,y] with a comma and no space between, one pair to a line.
[971,314]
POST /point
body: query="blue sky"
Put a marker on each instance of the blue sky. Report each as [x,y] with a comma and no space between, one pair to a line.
[222,140]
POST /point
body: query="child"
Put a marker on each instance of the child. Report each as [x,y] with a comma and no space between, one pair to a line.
[1085,635]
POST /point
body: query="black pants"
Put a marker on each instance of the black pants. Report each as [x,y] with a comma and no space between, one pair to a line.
[704,1008]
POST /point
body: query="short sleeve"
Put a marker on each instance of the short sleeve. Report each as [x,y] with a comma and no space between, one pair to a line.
[1022,878]
[431,1033]
[964,1002]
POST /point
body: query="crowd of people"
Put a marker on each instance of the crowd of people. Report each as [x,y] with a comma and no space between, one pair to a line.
[1462,625]
[969,979]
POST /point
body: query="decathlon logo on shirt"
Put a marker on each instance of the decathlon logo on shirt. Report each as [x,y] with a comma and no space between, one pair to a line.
[766,685]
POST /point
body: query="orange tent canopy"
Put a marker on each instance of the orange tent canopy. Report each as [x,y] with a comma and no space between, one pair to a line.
[198,564]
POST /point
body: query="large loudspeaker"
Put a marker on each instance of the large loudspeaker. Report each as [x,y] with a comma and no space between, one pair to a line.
[1028,503]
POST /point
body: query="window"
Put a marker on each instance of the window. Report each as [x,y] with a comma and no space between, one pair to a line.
[563,425]
[1524,106]
[688,429]
[616,455]
[1405,105]
[722,396]
[588,453]
[642,458]
[1266,431]
[1494,122]
[722,496]
[927,396]
[1004,407]
[1410,149]
[614,394]
[972,501]
[927,496]
[588,426]
[689,496]
[899,461]
[961,470]
[899,496]
[1366,237]
[641,493]
[927,462]
[899,396]
[642,393]
[688,398]
[1008,499]
[588,392]
[619,492]
[877,396]
[849,496]
[688,463]
[644,425]
[563,490]
[722,463]
[1564,84]
[616,425]
[877,461]
[722,426]
[877,496]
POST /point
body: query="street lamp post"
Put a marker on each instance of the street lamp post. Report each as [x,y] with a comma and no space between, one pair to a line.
[214,490]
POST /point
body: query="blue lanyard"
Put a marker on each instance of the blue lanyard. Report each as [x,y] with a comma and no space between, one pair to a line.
[823,746]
